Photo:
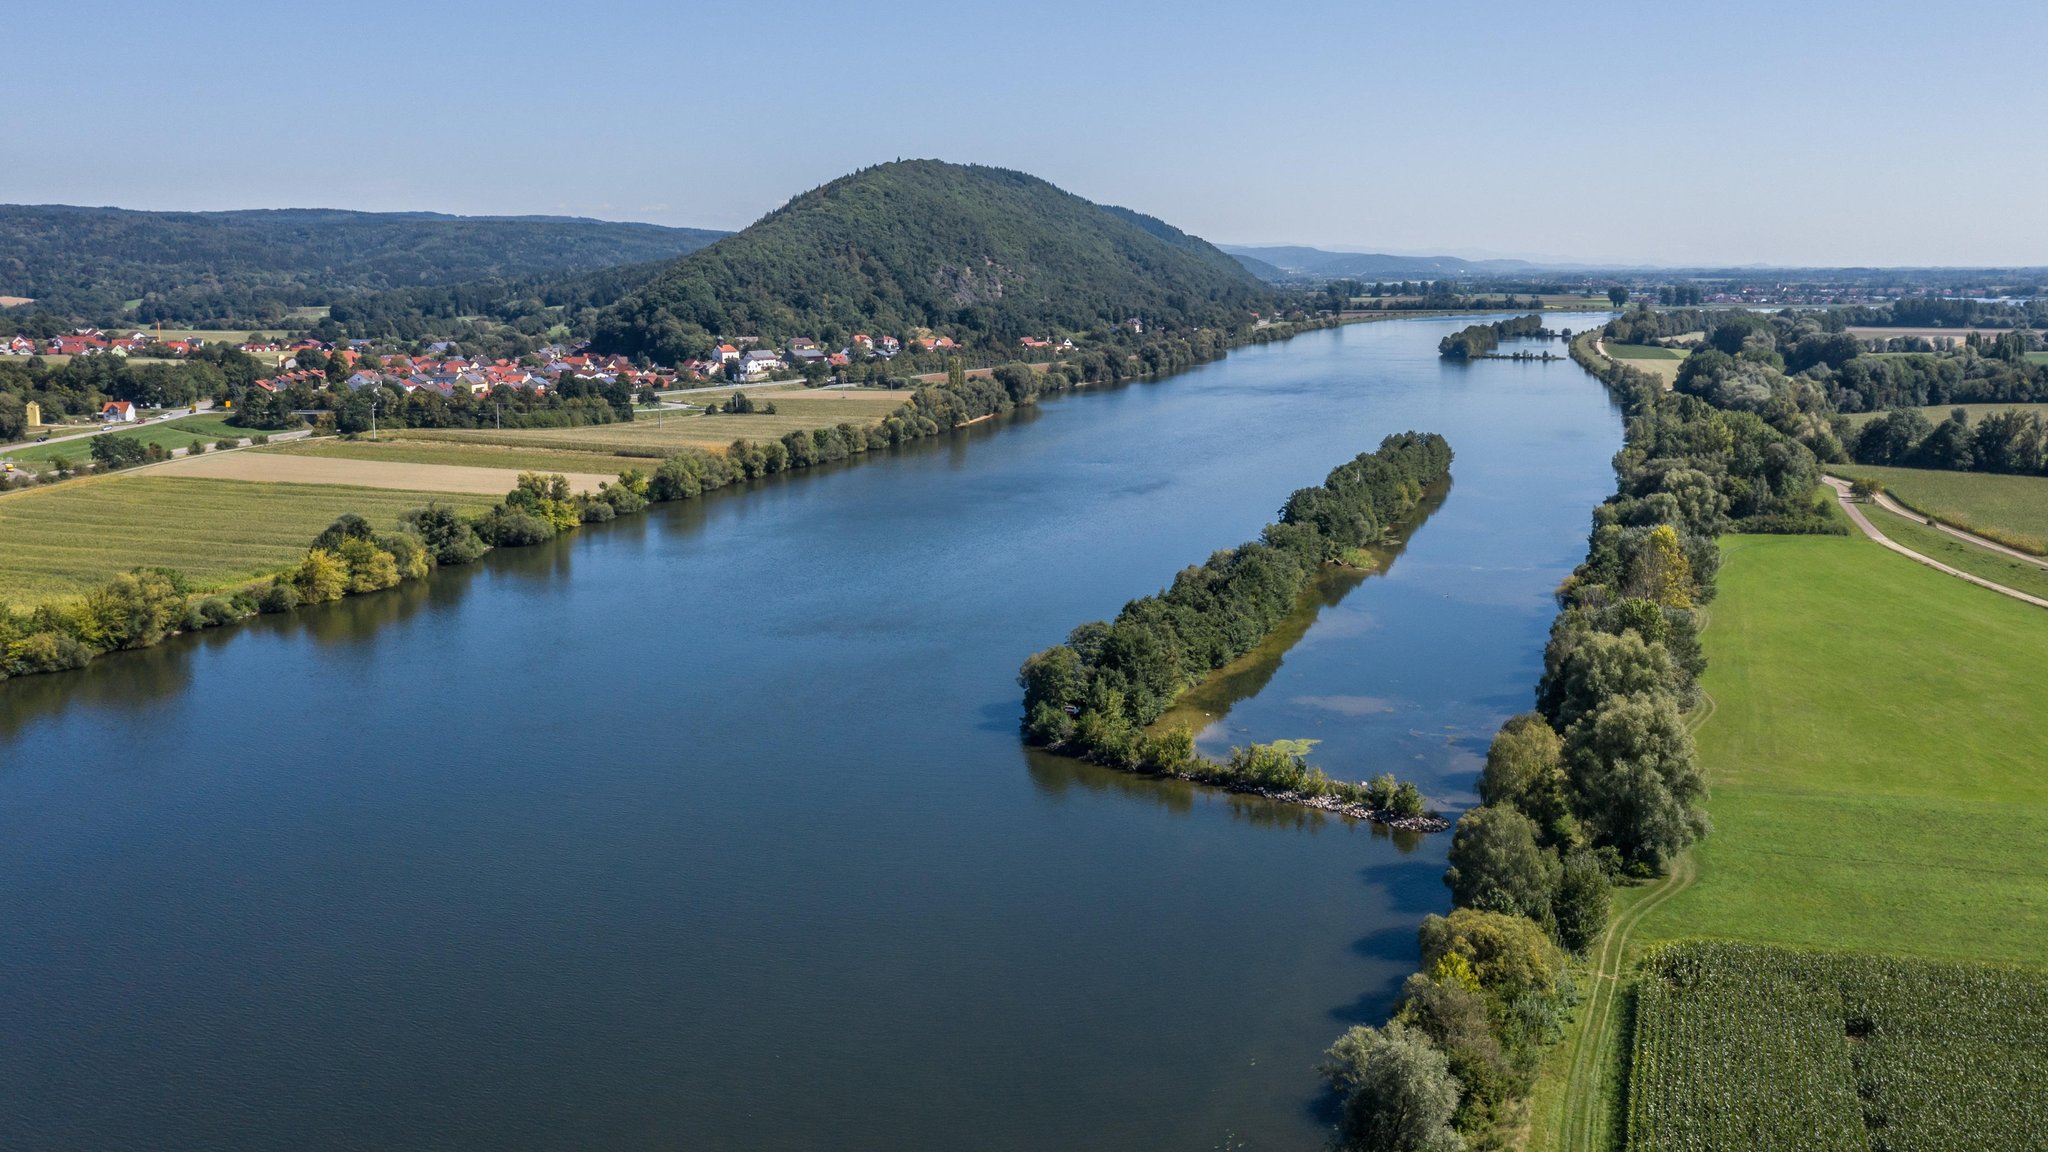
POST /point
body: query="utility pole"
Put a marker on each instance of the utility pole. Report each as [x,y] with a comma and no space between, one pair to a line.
[374,401]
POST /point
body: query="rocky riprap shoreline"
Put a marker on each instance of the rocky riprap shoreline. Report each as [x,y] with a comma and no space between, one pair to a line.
[1331,804]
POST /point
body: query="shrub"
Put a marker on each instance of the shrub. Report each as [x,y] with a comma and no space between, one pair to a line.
[1396,1089]
[196,448]
[281,596]
[598,512]
[370,568]
[507,527]
[408,553]
[1581,903]
[1496,864]
[226,442]
[321,577]
[451,539]
[1508,953]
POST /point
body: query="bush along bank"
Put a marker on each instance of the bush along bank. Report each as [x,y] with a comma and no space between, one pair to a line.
[1597,785]
[1093,696]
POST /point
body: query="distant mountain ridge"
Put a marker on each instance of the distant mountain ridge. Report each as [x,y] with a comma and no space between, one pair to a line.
[984,254]
[249,266]
[1293,262]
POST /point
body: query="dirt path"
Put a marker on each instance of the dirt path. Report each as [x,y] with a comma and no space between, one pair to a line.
[1841,488]
[1888,504]
[360,473]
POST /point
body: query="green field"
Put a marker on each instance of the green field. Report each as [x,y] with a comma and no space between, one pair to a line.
[1744,1046]
[1935,544]
[206,427]
[1870,732]
[1874,757]
[2012,510]
[1644,352]
[1936,413]
[64,539]
[415,451]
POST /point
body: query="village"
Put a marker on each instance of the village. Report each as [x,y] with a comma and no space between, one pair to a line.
[441,368]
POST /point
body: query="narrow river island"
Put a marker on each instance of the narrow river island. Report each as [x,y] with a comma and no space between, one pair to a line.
[710,828]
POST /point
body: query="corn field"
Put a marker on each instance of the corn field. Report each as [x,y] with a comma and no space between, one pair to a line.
[1740,1046]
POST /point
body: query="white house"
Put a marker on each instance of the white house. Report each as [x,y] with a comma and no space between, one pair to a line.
[118,412]
[758,361]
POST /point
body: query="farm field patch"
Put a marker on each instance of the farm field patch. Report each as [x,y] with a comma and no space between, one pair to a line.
[649,436]
[63,540]
[422,451]
[1745,1046]
[392,474]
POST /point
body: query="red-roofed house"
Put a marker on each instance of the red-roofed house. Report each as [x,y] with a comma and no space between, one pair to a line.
[118,412]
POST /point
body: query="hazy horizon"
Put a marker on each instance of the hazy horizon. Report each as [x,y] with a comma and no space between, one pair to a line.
[1738,135]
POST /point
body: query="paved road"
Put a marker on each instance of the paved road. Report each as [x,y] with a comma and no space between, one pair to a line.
[1855,512]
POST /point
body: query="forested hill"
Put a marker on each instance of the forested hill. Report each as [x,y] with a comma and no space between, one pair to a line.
[242,268]
[984,255]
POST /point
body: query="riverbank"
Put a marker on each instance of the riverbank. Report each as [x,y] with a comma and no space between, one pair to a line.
[701,780]
[66,634]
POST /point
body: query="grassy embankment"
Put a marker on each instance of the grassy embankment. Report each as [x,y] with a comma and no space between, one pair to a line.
[1871,741]
[2012,510]
[65,539]
[204,428]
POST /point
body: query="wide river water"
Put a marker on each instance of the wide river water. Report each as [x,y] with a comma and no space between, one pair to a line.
[710,828]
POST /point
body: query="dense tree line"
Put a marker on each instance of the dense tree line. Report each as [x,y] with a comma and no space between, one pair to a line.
[1481,339]
[1939,312]
[242,269]
[986,255]
[1094,694]
[1599,782]
[2013,441]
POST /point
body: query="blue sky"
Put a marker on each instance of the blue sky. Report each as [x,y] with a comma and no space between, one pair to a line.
[1785,133]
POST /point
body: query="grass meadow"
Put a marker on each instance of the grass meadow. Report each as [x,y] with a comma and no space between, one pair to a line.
[2012,510]
[205,428]
[1644,352]
[1874,756]
[62,540]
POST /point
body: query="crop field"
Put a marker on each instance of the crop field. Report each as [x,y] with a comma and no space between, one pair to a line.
[448,452]
[62,540]
[1744,1046]
[272,468]
[1936,413]
[2012,510]
[1938,545]
[649,436]
[1874,757]
[204,428]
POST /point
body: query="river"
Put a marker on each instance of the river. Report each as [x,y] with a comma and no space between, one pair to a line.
[710,828]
